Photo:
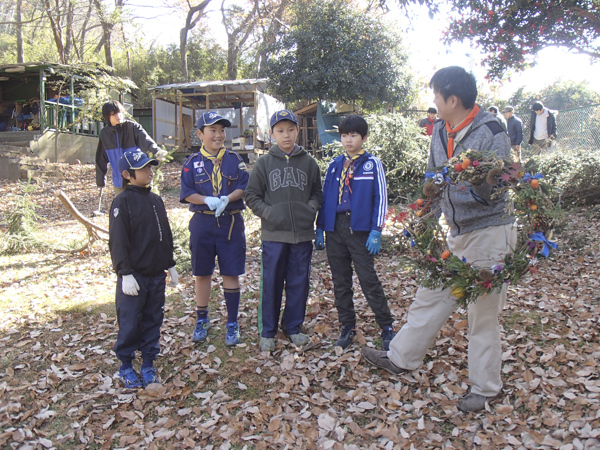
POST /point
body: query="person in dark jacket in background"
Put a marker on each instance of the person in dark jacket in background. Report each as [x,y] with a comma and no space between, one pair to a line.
[429,121]
[543,127]
[285,191]
[122,135]
[514,126]
[141,249]
[499,117]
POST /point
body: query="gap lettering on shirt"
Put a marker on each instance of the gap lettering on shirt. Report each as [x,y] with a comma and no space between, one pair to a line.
[297,180]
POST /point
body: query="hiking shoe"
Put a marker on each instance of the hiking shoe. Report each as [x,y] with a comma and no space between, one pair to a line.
[387,334]
[201,331]
[380,359]
[129,378]
[149,375]
[266,344]
[346,336]
[232,335]
[299,339]
[473,402]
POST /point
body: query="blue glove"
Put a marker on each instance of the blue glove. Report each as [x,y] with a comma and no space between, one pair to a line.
[223,201]
[320,240]
[374,242]
[212,202]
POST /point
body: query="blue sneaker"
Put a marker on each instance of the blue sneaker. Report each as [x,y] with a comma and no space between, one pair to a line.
[149,376]
[129,378]
[387,334]
[201,331]
[232,335]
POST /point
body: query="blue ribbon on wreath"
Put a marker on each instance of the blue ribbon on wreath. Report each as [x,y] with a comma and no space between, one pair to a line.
[435,175]
[528,177]
[539,237]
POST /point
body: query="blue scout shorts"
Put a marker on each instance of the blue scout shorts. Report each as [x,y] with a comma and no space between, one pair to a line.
[221,237]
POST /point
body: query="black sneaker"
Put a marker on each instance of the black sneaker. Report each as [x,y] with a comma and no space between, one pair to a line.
[387,334]
[346,336]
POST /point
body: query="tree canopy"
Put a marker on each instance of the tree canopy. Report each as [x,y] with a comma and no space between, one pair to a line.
[334,51]
[512,32]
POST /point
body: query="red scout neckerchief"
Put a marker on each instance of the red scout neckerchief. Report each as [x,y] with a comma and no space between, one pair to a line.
[452,132]
[348,172]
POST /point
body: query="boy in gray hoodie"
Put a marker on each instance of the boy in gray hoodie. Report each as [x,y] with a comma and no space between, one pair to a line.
[285,191]
[481,231]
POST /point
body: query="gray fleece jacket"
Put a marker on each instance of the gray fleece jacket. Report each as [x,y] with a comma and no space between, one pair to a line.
[467,207]
[285,192]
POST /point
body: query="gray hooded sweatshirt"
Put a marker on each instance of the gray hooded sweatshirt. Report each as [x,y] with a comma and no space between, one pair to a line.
[285,192]
[466,207]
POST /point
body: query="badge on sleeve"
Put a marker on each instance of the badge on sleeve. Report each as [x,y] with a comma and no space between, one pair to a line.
[116,212]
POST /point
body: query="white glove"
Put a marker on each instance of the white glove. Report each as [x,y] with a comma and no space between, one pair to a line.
[161,155]
[222,204]
[130,286]
[212,202]
[174,277]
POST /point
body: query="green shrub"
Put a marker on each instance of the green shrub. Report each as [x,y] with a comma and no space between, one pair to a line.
[575,174]
[181,246]
[22,219]
[402,148]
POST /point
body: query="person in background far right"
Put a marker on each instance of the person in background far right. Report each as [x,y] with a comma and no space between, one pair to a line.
[543,127]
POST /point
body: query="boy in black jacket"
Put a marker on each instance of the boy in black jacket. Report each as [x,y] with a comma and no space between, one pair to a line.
[284,190]
[141,249]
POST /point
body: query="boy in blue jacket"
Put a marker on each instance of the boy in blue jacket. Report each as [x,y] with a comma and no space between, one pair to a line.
[353,214]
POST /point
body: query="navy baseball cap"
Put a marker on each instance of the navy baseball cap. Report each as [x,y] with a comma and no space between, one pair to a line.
[284,114]
[135,159]
[210,118]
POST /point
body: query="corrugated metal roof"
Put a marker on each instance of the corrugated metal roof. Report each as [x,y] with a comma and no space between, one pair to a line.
[248,84]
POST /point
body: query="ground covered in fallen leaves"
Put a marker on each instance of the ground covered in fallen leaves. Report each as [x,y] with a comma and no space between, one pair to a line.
[58,385]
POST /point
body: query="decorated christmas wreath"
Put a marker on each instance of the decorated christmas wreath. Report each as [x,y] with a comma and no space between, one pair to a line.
[425,238]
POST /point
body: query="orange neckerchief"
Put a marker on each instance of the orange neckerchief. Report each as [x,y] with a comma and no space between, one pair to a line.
[453,131]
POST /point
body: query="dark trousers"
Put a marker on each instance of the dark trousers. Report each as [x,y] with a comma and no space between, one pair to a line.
[289,265]
[343,249]
[140,318]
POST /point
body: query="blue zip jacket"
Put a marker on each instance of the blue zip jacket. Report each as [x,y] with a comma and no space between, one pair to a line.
[196,179]
[369,194]
[113,142]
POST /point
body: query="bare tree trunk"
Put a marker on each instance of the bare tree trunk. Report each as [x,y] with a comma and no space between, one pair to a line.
[107,27]
[83,31]
[270,36]
[19,26]
[56,29]
[236,38]
[190,23]
[69,33]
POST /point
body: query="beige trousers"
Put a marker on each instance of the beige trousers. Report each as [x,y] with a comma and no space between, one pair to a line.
[431,308]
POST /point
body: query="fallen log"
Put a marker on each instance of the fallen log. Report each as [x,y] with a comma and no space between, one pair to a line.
[91,227]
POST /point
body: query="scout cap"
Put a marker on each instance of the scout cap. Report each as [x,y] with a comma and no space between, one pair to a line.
[210,118]
[136,160]
[284,114]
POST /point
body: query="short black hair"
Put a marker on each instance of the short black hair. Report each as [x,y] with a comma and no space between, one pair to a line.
[111,107]
[126,180]
[537,106]
[455,80]
[493,109]
[432,110]
[354,123]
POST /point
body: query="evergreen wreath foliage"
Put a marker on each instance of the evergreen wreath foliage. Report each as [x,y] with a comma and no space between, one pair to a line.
[425,238]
